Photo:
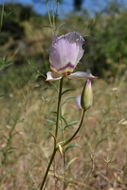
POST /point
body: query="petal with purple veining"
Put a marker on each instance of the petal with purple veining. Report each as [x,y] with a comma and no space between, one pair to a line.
[81,75]
[66,51]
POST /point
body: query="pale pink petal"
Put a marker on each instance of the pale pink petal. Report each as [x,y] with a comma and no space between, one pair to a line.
[66,51]
[79,45]
[78,102]
[77,51]
[52,77]
[81,75]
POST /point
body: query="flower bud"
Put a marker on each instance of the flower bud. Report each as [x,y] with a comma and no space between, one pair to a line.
[87,96]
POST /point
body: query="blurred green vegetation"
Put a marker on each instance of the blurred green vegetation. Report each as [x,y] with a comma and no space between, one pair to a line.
[25,37]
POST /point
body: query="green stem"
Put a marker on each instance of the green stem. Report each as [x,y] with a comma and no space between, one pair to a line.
[47,170]
[58,107]
[2,16]
[56,133]
[80,124]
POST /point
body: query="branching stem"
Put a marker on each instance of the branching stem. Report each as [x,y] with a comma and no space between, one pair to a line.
[56,147]
[80,124]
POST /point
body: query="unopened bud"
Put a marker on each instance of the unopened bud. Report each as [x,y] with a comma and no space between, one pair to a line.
[87,96]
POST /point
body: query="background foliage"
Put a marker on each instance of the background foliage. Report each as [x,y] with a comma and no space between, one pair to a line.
[25,39]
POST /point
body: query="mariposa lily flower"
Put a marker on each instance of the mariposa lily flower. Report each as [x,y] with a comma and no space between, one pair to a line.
[65,53]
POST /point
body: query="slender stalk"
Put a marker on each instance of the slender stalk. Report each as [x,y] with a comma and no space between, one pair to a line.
[58,115]
[47,170]
[2,16]
[54,171]
[81,121]
[55,138]
[70,139]
[64,163]
[58,107]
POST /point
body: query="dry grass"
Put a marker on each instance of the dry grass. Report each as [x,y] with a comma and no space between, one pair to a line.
[97,158]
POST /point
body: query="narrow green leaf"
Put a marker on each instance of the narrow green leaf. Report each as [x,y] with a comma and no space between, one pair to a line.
[11,149]
[54,112]
[68,90]
[70,163]
[67,99]
[51,121]
[70,146]
[71,124]
[64,120]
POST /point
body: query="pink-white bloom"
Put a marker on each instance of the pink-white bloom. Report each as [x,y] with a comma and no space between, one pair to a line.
[65,53]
